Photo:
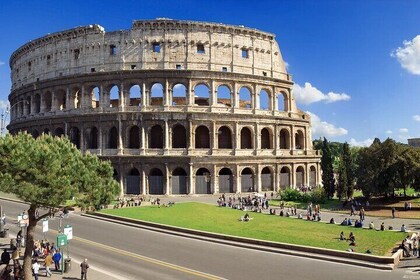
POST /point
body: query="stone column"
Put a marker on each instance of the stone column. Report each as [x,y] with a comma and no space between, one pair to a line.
[215,181]
[143,181]
[120,138]
[236,138]
[167,180]
[190,94]
[293,176]
[191,135]
[166,93]
[213,94]
[100,140]
[257,139]
[238,180]
[143,95]
[306,175]
[166,141]
[276,141]
[121,94]
[258,178]
[214,135]
[143,140]
[191,181]
[292,138]
[235,95]
[69,99]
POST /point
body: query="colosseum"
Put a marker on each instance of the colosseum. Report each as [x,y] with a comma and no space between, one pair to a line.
[178,107]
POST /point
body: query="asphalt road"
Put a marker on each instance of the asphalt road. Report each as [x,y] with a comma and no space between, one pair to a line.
[124,252]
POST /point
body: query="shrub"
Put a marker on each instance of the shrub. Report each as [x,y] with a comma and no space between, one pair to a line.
[318,195]
[290,194]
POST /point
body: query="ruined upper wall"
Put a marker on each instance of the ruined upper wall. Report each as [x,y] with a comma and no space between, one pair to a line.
[150,44]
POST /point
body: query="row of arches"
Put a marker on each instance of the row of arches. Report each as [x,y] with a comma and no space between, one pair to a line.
[179,137]
[159,93]
[204,182]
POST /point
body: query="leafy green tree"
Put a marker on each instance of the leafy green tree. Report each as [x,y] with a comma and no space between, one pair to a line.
[46,172]
[342,183]
[327,170]
[407,167]
[349,169]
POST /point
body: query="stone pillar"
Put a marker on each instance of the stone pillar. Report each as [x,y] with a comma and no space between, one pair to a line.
[69,99]
[41,102]
[190,94]
[143,181]
[293,176]
[292,138]
[215,181]
[100,140]
[120,137]
[236,138]
[166,95]
[257,139]
[258,178]
[167,180]
[275,140]
[82,139]
[213,94]
[191,136]
[191,181]
[122,97]
[213,138]
[143,140]
[166,141]
[235,95]
[238,180]
[306,175]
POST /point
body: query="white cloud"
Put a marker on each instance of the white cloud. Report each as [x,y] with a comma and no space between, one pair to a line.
[4,104]
[409,55]
[310,94]
[363,143]
[325,129]
[2,63]
[403,130]
[416,118]
[287,65]
[388,132]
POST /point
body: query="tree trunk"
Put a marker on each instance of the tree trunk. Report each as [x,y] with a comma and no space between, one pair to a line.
[29,245]
[405,189]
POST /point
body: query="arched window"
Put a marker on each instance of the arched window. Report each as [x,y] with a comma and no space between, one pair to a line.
[135,95]
[284,139]
[282,101]
[114,97]
[202,137]
[92,138]
[74,136]
[113,138]
[95,97]
[179,95]
[224,96]
[224,137]
[299,141]
[132,183]
[60,98]
[134,137]
[37,104]
[156,182]
[58,132]
[77,97]
[179,137]
[264,100]
[47,101]
[203,181]
[156,95]
[156,137]
[266,180]
[201,95]
[245,100]
[284,177]
[300,180]
[247,180]
[265,139]
[225,181]
[179,181]
[246,138]
[312,176]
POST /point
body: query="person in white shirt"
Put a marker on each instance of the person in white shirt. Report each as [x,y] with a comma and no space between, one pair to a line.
[35,269]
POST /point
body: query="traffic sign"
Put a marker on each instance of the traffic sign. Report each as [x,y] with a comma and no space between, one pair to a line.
[68,231]
[61,240]
[45,225]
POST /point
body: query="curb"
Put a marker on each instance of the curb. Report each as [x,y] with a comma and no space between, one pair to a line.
[358,259]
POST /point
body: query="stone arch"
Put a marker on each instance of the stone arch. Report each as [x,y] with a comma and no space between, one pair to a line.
[203,181]
[156,137]
[134,137]
[114,96]
[225,180]
[132,182]
[179,181]
[92,136]
[95,97]
[76,97]
[283,101]
[47,101]
[300,176]
[284,139]
[60,99]
[266,138]
[202,94]
[156,181]
[299,140]
[285,177]
[74,135]
[202,137]
[224,138]
[265,101]
[113,138]
[247,180]
[245,98]
[267,182]
[246,138]
[35,133]
[36,103]
[224,96]
[58,132]
[28,105]
[156,94]
[179,136]
[179,94]
[312,176]
[46,131]
[135,95]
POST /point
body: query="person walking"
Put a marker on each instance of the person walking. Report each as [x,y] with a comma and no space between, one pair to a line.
[56,258]
[35,269]
[83,270]
[47,263]
[393,212]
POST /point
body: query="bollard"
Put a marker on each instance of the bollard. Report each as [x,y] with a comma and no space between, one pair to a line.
[67,265]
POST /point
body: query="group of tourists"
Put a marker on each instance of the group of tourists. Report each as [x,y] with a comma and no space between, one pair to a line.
[129,201]
[248,203]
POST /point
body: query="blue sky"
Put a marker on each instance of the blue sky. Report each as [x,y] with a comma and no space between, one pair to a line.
[356,64]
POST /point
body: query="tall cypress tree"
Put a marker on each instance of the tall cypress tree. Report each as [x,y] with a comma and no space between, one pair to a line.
[327,169]
[341,181]
[348,165]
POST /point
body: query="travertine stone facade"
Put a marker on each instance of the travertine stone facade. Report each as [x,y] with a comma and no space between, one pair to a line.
[178,107]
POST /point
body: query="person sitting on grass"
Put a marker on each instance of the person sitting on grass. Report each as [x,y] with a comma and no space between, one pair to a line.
[358,224]
[332,221]
[246,217]
[403,228]
[342,236]
[382,226]
[349,223]
[352,239]
[344,222]
[371,225]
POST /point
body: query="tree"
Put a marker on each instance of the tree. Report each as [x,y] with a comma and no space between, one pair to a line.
[348,165]
[407,167]
[327,170]
[342,182]
[46,172]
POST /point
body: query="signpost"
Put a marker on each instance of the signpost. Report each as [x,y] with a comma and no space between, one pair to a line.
[45,226]
[61,242]
[68,231]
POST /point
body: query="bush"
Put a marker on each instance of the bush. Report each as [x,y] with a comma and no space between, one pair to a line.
[318,195]
[290,194]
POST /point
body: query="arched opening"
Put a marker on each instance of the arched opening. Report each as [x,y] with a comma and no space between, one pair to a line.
[224,96]
[267,180]
[225,181]
[58,132]
[35,133]
[203,181]
[28,105]
[134,137]
[179,136]
[224,138]
[300,180]
[116,176]
[284,139]
[156,182]
[202,137]
[135,95]
[113,138]
[179,181]
[312,176]
[47,102]
[284,178]
[60,99]
[46,131]
[37,104]
[132,182]
[20,107]
[299,141]
[282,101]
[156,137]
[156,95]
[266,139]
[245,100]
[179,95]
[74,136]
[95,97]
[92,138]
[246,138]
[247,180]
[77,98]
[201,95]
[114,97]
[264,100]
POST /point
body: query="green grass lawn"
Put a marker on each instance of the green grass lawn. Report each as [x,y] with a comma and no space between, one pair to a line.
[266,227]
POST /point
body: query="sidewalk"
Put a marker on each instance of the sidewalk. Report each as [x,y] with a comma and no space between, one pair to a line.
[73,274]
